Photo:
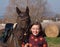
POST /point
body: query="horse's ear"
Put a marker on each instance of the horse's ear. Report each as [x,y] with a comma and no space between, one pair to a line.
[17,10]
[27,10]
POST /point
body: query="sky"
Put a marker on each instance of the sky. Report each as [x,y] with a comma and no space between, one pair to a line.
[54,5]
[3,5]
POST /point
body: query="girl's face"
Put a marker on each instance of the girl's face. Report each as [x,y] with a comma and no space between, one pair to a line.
[35,29]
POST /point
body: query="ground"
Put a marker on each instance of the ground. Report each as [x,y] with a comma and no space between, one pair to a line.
[53,42]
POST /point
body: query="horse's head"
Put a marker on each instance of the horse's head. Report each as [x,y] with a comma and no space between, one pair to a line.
[23,19]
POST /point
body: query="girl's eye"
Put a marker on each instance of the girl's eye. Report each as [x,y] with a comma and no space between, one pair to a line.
[33,28]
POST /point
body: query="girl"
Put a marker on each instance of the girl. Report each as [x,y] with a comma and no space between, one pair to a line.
[36,39]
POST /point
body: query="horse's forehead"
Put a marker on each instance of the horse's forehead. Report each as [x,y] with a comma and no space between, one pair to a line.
[23,14]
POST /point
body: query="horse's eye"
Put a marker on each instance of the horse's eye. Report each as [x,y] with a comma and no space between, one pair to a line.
[21,15]
[20,37]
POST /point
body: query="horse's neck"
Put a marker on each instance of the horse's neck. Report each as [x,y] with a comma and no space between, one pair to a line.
[18,27]
[16,43]
[13,41]
[10,41]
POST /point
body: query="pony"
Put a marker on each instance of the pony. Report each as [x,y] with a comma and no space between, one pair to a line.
[15,37]
[21,33]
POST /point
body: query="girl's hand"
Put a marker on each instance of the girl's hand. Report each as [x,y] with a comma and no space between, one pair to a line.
[26,45]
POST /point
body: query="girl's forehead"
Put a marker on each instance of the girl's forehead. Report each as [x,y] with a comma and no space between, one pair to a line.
[35,25]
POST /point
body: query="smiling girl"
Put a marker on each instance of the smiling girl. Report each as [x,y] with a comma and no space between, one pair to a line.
[36,39]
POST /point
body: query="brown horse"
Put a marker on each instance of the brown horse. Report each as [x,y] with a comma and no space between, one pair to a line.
[20,33]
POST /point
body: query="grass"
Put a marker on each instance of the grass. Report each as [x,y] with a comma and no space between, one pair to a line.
[53,42]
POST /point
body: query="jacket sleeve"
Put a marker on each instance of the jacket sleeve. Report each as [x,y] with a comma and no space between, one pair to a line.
[45,43]
[25,45]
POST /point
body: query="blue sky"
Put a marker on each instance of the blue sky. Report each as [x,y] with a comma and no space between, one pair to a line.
[3,4]
[54,6]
